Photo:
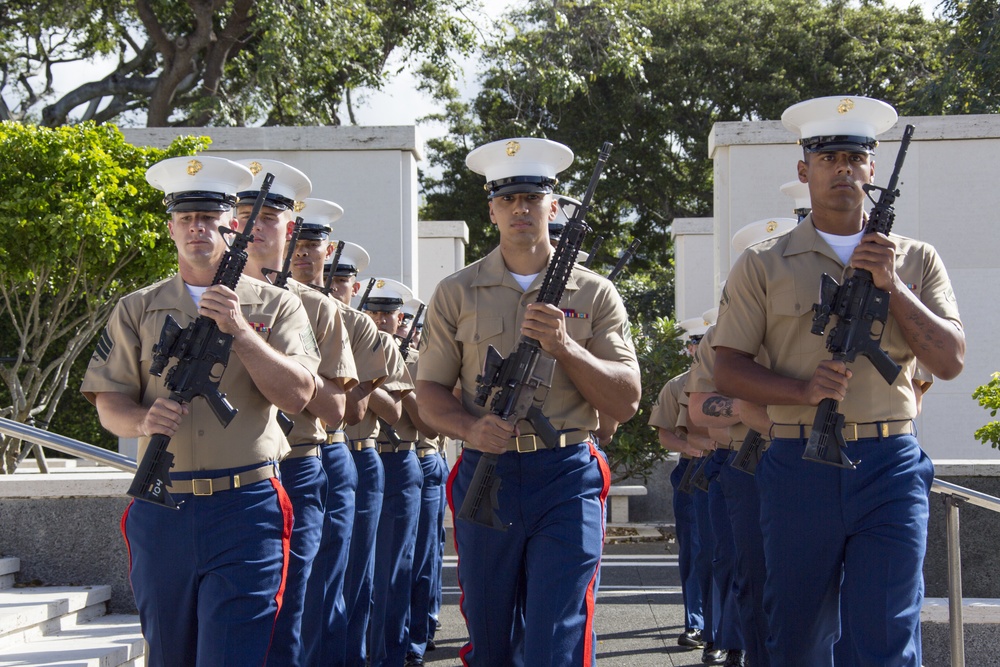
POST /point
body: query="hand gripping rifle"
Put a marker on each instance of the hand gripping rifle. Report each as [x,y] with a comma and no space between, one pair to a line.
[624,259]
[384,426]
[404,343]
[858,305]
[518,377]
[281,280]
[202,352]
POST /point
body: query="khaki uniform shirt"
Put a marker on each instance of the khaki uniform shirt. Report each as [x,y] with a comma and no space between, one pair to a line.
[768,302]
[368,350]
[482,305]
[125,352]
[405,427]
[668,412]
[397,380]
[702,378]
[336,360]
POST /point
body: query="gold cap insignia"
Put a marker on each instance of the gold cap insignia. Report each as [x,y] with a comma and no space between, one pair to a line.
[255,167]
[194,166]
[512,148]
[380,284]
[771,226]
[299,205]
[845,105]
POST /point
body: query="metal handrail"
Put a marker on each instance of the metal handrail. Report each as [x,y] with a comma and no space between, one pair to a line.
[66,445]
[954,497]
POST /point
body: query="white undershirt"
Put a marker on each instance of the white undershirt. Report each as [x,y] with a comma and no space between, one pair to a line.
[524,281]
[842,245]
[195,292]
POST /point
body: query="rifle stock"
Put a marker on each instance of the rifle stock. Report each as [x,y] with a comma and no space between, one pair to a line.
[684,486]
[519,377]
[200,349]
[748,455]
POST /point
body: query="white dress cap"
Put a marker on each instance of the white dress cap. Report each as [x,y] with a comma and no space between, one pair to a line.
[353,260]
[289,187]
[410,308]
[839,123]
[523,164]
[198,183]
[694,327]
[798,191]
[710,316]
[761,230]
[387,295]
[317,217]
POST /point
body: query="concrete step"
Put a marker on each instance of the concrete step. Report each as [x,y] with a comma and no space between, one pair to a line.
[9,567]
[980,629]
[108,641]
[30,613]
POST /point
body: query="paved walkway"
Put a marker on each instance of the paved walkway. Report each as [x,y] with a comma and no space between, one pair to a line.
[639,612]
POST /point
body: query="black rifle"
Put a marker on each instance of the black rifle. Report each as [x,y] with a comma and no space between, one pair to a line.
[327,288]
[281,277]
[699,478]
[281,280]
[624,259]
[748,456]
[518,377]
[684,485]
[202,352]
[384,426]
[404,343]
[598,242]
[858,305]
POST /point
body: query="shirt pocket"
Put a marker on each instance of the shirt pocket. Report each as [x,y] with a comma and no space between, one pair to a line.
[477,334]
[580,329]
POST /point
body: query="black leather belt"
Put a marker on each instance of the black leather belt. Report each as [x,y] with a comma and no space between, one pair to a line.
[207,486]
[851,431]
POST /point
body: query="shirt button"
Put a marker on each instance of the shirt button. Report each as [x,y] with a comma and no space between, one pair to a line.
[201,432]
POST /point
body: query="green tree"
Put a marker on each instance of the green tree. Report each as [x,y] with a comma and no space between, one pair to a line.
[970,79]
[654,77]
[988,396]
[79,228]
[191,63]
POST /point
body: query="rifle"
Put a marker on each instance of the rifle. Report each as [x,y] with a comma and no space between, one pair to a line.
[624,259]
[201,351]
[858,305]
[592,253]
[699,478]
[390,432]
[684,485]
[281,280]
[404,344]
[748,456]
[519,376]
[281,277]
[326,288]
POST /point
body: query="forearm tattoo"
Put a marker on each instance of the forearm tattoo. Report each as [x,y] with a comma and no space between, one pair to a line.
[718,406]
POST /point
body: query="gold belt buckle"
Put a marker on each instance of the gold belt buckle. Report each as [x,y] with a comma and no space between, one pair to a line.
[532,438]
[199,486]
[850,431]
[885,429]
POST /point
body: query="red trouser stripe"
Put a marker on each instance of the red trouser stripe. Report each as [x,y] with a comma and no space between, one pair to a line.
[588,645]
[288,518]
[454,536]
